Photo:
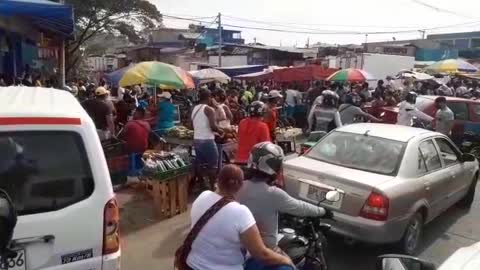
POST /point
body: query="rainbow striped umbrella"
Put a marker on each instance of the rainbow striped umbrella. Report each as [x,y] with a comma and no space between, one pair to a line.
[451,66]
[153,73]
[350,75]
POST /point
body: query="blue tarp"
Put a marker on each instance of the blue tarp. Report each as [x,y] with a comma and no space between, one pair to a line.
[44,14]
[240,70]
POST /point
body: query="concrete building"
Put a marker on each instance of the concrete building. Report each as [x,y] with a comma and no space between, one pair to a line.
[31,36]
[460,41]
[424,50]
[259,54]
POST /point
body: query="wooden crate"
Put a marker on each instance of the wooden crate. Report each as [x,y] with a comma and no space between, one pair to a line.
[170,196]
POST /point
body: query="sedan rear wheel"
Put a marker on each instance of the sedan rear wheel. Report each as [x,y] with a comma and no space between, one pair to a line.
[413,235]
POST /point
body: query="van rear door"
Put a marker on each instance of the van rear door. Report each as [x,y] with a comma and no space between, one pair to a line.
[60,212]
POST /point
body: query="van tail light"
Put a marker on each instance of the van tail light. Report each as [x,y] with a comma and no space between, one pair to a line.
[376,207]
[111,227]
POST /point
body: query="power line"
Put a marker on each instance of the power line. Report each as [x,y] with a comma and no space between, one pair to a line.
[329,32]
[438,9]
[288,24]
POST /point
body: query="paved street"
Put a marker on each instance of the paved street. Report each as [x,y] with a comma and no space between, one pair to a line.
[150,244]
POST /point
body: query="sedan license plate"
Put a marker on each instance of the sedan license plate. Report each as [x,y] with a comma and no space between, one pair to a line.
[17,263]
[317,194]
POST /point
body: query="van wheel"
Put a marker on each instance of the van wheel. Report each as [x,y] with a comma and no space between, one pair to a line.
[467,201]
[412,236]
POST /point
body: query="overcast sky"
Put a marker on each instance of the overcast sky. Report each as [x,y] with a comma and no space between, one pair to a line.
[329,15]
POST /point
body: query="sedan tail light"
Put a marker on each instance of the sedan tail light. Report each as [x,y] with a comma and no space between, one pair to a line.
[376,207]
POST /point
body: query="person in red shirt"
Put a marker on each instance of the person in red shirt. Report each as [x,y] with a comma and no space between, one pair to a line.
[251,130]
[271,115]
[136,133]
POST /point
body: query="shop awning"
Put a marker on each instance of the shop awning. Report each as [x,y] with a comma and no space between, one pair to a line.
[45,14]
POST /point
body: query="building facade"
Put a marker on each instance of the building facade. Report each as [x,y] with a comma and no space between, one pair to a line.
[460,41]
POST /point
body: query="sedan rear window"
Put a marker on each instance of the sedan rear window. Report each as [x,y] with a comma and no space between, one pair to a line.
[357,151]
[44,171]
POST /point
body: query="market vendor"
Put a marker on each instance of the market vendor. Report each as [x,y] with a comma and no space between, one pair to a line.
[135,134]
[204,127]
[165,114]
[222,112]
[251,130]
[271,115]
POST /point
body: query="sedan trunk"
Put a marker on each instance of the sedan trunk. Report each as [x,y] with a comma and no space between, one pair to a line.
[356,184]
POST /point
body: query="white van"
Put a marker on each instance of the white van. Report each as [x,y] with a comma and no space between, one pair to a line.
[52,165]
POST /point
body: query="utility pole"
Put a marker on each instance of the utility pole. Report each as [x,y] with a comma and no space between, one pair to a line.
[365,49]
[220,39]
[423,33]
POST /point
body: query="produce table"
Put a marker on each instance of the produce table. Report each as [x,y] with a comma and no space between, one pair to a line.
[226,151]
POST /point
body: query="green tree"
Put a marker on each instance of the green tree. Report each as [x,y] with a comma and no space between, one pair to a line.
[125,17]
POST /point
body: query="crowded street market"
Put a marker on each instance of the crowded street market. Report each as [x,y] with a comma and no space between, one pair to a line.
[129,142]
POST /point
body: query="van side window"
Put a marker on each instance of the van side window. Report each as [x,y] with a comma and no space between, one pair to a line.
[430,155]
[44,171]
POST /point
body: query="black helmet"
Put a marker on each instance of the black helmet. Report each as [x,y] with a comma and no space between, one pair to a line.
[266,157]
[411,97]
[330,98]
[256,109]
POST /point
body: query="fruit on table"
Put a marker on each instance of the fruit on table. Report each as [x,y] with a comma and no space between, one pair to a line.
[180,132]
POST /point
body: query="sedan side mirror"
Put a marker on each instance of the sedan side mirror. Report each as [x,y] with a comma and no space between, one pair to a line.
[466,157]
[402,262]
[8,220]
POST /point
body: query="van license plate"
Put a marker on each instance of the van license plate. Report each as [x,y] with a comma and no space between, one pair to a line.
[17,263]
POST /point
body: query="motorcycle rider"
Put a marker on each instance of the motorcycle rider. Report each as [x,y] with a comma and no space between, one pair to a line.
[407,111]
[264,200]
[325,114]
[351,109]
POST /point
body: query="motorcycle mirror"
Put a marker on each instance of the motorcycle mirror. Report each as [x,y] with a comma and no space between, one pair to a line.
[332,196]
[382,114]
[402,262]
[8,220]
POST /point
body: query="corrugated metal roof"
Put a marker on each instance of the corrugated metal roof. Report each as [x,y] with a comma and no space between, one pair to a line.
[22,101]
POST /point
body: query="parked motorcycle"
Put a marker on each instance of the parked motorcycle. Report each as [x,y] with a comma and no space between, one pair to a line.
[303,238]
[471,144]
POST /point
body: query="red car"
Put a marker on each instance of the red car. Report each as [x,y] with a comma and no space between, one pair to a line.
[466,111]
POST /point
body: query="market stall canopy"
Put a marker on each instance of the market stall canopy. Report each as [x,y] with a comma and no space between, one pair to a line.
[240,70]
[45,14]
[114,77]
[306,73]
[351,75]
[209,75]
[419,76]
[153,73]
[266,74]
[451,66]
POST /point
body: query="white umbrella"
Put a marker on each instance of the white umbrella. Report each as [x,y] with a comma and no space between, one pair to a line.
[209,75]
[419,76]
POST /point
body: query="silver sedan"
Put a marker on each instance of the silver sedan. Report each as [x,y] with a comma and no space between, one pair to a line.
[393,180]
